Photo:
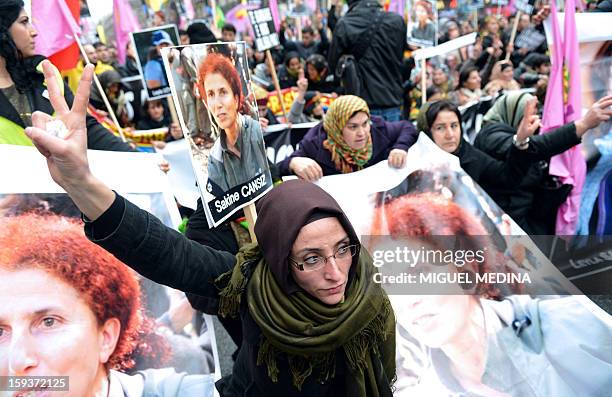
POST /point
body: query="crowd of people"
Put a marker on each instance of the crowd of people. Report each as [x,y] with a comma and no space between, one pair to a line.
[297,295]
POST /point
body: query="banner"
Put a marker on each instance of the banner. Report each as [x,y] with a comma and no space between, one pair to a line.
[458,271]
[166,337]
[227,149]
[289,95]
[282,140]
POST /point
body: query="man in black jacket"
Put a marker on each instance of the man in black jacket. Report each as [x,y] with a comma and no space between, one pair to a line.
[377,40]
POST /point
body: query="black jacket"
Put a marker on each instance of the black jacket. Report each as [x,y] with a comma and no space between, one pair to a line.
[530,202]
[379,53]
[163,255]
[487,171]
[319,47]
[98,137]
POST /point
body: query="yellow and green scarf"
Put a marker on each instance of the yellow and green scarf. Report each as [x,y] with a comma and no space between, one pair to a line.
[345,158]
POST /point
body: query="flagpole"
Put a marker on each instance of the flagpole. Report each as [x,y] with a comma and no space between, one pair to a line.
[102,93]
[275,81]
[513,35]
[423,81]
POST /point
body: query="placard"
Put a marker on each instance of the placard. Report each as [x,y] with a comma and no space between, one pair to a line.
[217,110]
[148,44]
[263,26]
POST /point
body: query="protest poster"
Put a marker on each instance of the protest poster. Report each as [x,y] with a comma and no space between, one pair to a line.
[423,23]
[452,262]
[227,149]
[475,4]
[266,36]
[31,197]
[529,38]
[148,44]
[525,6]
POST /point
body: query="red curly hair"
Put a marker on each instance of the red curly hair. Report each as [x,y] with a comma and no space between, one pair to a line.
[428,217]
[58,246]
[220,64]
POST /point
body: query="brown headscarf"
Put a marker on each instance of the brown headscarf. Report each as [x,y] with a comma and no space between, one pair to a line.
[281,215]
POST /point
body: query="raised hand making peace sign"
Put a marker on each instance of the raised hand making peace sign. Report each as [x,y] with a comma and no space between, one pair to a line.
[67,155]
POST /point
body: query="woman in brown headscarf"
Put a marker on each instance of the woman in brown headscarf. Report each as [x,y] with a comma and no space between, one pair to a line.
[313,320]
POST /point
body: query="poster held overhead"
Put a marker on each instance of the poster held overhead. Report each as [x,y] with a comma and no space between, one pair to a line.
[423,23]
[266,36]
[297,9]
[148,44]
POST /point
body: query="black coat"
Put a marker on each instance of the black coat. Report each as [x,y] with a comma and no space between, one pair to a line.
[489,172]
[98,137]
[163,255]
[379,54]
[533,203]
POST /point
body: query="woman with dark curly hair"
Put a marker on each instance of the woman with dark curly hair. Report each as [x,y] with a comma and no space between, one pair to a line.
[483,338]
[22,89]
[239,154]
[69,308]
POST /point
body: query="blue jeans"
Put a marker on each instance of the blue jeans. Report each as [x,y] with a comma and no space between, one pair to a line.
[389,114]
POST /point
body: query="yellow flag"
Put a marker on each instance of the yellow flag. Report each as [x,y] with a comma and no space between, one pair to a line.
[101,33]
[155,4]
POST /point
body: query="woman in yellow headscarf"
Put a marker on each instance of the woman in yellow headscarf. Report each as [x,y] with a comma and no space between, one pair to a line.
[348,140]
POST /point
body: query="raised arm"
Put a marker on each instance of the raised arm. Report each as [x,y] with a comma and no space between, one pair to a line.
[134,236]
[67,155]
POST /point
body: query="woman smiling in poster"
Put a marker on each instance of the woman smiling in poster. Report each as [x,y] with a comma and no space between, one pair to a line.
[238,156]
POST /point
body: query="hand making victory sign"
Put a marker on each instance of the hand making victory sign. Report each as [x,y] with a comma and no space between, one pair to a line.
[67,156]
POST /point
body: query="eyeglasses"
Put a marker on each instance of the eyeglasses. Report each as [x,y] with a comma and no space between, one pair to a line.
[315,262]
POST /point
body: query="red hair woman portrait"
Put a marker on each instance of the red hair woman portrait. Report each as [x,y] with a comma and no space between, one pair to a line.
[479,335]
[238,155]
[69,308]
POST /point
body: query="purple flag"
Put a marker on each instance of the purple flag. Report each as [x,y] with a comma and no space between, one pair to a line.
[125,23]
[570,166]
[273,4]
[55,24]
[553,105]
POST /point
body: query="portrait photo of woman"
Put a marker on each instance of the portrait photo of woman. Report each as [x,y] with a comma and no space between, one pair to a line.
[237,162]
[422,26]
[71,310]
[484,338]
